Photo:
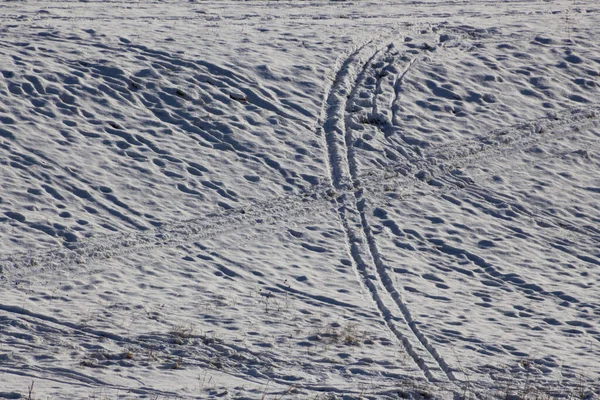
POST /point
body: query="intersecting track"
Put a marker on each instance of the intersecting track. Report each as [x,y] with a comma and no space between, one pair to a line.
[360,242]
[339,141]
[350,190]
[440,162]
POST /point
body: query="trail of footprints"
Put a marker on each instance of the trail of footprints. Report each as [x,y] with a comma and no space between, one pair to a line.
[403,181]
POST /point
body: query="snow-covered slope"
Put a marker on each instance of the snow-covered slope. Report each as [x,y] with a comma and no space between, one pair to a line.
[309,199]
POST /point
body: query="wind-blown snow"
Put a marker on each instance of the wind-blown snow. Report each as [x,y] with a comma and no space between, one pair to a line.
[324,199]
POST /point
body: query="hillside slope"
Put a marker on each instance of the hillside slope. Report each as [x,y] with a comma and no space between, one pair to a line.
[272,200]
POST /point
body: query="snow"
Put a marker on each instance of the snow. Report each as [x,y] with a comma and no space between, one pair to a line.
[299,199]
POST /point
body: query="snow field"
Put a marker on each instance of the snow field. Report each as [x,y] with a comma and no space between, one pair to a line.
[299,200]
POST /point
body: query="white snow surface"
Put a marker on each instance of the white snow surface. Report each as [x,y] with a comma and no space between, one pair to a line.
[300,199]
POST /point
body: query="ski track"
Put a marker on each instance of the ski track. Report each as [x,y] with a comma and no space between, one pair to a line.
[333,125]
[360,243]
[440,370]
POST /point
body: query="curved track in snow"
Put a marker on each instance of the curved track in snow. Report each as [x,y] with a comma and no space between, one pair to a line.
[361,244]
